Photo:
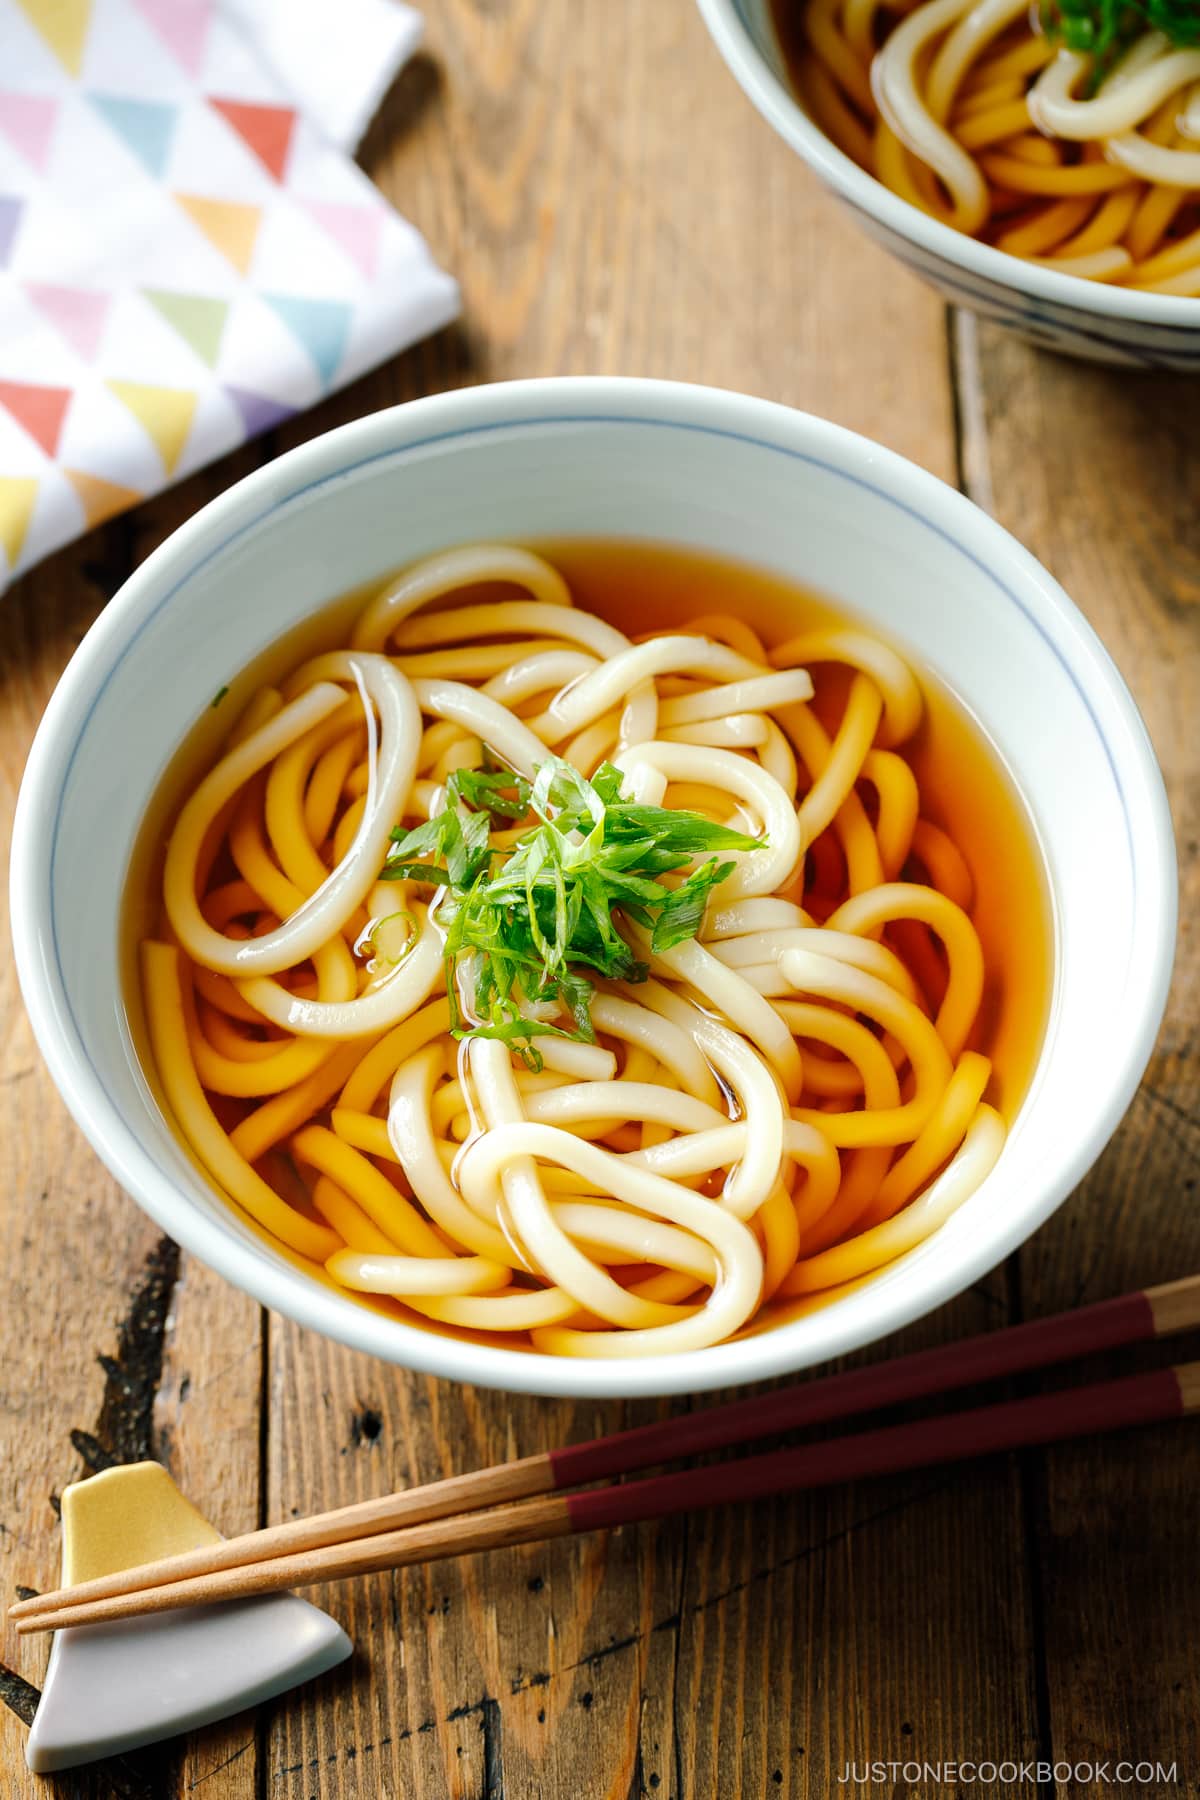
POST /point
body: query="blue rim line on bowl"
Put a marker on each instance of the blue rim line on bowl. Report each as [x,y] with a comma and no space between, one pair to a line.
[262,496]
[1032,316]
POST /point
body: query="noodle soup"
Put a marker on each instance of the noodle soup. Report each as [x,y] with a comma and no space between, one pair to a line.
[597,949]
[981,114]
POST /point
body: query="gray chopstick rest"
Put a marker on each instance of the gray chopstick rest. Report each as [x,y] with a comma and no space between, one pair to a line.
[112,1687]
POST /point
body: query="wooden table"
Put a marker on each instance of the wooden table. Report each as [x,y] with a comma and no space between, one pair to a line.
[612,204]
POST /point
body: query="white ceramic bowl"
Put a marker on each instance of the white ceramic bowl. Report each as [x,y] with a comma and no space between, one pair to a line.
[1061,312]
[627,459]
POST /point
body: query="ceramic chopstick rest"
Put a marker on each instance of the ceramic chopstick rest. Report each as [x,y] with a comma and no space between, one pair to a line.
[110,1688]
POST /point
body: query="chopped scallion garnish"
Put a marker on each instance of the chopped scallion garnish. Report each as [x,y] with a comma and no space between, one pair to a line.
[1102,29]
[523,921]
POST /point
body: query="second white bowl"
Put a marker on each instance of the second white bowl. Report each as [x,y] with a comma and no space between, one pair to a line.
[1062,312]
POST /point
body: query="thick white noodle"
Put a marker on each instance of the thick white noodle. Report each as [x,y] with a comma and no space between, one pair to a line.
[447,572]
[501,1150]
[631,671]
[651,767]
[470,623]
[372,1273]
[894,85]
[484,718]
[495,1157]
[923,1216]
[537,674]
[325,912]
[1155,162]
[978,27]
[758,693]
[1120,104]
[410,1129]
[898,686]
[674,1048]
[621,1100]
[740,1003]
[740,731]
[384,1003]
[1188,122]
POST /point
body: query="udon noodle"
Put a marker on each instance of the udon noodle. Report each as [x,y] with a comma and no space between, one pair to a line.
[969,111]
[766,1083]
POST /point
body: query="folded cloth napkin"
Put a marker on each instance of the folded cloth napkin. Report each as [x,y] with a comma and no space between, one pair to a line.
[188,254]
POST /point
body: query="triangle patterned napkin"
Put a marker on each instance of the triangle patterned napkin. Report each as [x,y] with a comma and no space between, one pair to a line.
[188,254]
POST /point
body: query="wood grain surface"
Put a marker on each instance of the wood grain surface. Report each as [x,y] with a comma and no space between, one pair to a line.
[610,203]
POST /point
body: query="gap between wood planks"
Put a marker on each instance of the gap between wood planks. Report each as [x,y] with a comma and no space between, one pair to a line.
[973,473]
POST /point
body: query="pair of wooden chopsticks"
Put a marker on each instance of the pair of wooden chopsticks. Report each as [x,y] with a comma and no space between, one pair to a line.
[521,1502]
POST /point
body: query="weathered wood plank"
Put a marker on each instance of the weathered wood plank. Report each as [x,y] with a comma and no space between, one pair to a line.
[208,1428]
[1098,473]
[611,204]
[551,155]
[461,1667]
[70,1249]
[83,1274]
[883,1622]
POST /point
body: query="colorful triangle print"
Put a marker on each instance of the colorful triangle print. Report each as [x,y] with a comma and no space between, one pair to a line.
[259,412]
[197,318]
[166,414]
[10,219]
[266,129]
[17,495]
[143,126]
[233,228]
[78,314]
[322,326]
[100,499]
[27,120]
[62,26]
[183,27]
[356,228]
[41,410]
